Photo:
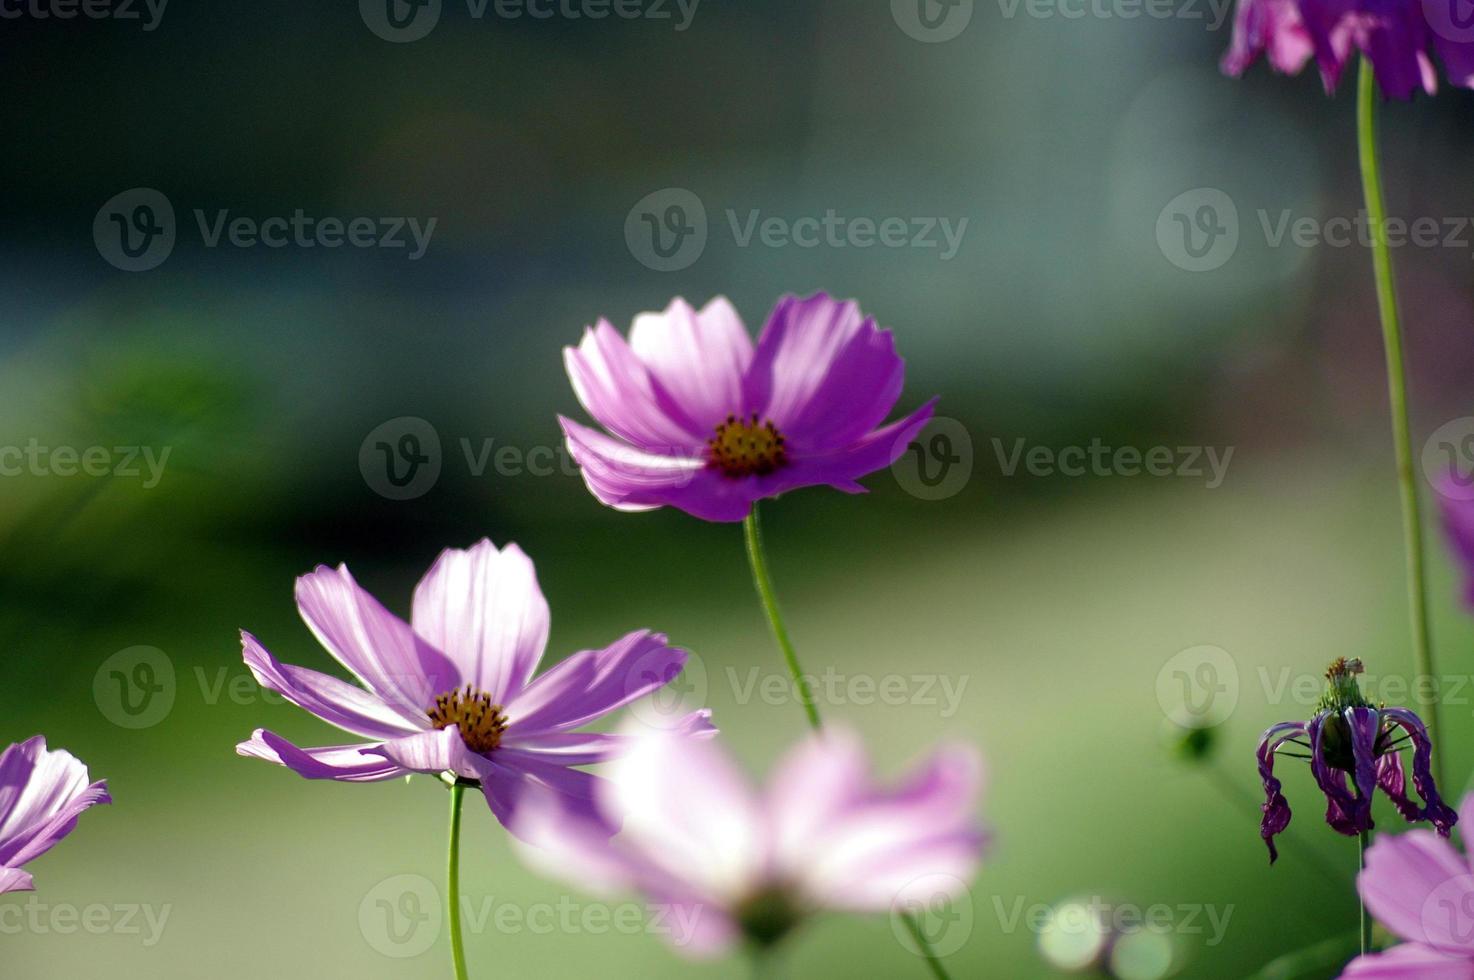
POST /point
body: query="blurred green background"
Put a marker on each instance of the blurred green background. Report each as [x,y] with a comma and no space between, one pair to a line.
[1059,601]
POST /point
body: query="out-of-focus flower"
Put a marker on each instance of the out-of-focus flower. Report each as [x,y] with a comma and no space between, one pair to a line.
[1348,736]
[704,421]
[455,692]
[1458,526]
[1421,889]
[729,862]
[42,792]
[1395,35]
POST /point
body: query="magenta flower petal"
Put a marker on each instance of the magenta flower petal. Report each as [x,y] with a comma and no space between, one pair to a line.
[704,422]
[585,748]
[1410,961]
[378,647]
[522,784]
[592,683]
[346,763]
[1403,871]
[484,609]
[441,750]
[42,793]
[336,702]
[1391,779]
[1268,27]
[1458,526]
[1276,808]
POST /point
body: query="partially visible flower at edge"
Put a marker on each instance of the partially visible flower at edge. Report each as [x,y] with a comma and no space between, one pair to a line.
[42,793]
[703,420]
[1395,35]
[1456,507]
[1422,889]
[1348,736]
[455,692]
[732,863]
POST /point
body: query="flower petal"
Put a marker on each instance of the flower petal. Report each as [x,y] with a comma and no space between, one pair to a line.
[587,748]
[42,792]
[1410,961]
[616,388]
[592,683]
[823,372]
[697,359]
[1434,809]
[378,647]
[513,783]
[433,752]
[1391,779]
[629,479]
[484,610]
[336,702]
[1419,887]
[15,880]
[1276,808]
[345,763]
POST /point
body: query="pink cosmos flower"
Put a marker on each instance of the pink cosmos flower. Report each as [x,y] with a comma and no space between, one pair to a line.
[702,420]
[1396,35]
[1422,889]
[455,692]
[41,795]
[728,862]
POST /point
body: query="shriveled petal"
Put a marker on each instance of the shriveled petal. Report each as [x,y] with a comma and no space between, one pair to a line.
[377,646]
[1419,887]
[1392,781]
[689,811]
[823,372]
[592,683]
[1410,961]
[429,752]
[585,748]
[42,793]
[1434,809]
[1344,813]
[343,705]
[344,763]
[484,610]
[1276,808]
[15,880]
[1271,27]
[617,389]
[696,359]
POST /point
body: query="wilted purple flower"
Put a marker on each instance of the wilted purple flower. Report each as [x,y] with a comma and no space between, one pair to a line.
[455,693]
[1421,889]
[1456,506]
[41,795]
[728,862]
[1395,35]
[1348,736]
[703,421]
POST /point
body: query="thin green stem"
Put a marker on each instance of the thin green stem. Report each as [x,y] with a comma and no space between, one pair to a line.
[453,883]
[1412,528]
[913,924]
[1366,922]
[757,558]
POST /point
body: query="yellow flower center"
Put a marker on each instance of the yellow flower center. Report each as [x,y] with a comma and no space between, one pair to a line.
[742,447]
[481,722]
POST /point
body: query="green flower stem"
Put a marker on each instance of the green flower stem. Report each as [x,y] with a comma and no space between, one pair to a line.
[1412,528]
[756,556]
[1366,922]
[453,882]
